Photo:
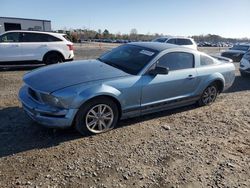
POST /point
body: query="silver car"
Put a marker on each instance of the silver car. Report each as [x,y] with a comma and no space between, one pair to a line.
[131,80]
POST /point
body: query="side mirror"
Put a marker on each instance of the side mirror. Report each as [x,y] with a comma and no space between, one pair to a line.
[159,70]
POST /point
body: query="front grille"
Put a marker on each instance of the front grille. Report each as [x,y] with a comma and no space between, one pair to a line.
[33,94]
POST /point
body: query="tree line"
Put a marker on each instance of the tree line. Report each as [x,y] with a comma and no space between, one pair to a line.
[77,35]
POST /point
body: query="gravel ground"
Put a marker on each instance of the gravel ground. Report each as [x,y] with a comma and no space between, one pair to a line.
[186,147]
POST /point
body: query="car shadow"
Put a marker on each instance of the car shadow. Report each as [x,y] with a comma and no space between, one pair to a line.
[18,133]
[240,84]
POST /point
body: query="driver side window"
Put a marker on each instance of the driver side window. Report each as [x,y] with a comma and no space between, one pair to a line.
[10,37]
[177,61]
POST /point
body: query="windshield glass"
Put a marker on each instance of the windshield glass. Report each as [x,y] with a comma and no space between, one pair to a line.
[160,40]
[129,58]
[240,47]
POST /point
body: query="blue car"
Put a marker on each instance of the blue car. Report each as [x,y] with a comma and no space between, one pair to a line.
[131,80]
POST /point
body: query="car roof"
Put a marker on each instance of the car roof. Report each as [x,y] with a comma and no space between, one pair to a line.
[158,46]
[42,32]
[174,37]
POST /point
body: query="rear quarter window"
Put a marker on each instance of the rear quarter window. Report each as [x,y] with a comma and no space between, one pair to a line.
[67,38]
[205,60]
[184,42]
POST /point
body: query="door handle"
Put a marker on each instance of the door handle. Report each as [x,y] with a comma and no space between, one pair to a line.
[44,45]
[190,77]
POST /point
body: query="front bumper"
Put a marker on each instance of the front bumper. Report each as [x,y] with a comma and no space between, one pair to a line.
[46,115]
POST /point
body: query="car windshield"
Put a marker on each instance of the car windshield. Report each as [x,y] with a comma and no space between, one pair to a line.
[240,47]
[129,58]
[160,40]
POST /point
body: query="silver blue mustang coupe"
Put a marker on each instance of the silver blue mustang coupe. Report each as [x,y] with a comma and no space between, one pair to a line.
[131,80]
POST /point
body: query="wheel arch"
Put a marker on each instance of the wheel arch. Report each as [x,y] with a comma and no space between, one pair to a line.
[105,96]
[219,83]
[216,78]
[53,51]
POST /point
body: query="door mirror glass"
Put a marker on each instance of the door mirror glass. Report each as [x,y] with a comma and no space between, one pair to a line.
[159,70]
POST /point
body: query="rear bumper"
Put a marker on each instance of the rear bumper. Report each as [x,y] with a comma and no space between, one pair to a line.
[46,115]
[66,60]
[69,56]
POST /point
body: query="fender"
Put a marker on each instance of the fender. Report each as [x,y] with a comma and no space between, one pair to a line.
[97,90]
[213,77]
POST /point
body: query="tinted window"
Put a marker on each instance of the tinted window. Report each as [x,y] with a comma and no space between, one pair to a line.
[67,38]
[183,42]
[129,58]
[10,37]
[160,40]
[51,38]
[177,60]
[171,41]
[205,60]
[37,37]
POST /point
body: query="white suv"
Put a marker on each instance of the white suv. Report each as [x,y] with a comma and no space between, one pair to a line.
[26,47]
[183,41]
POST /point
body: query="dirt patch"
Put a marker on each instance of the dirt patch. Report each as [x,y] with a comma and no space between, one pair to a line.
[202,147]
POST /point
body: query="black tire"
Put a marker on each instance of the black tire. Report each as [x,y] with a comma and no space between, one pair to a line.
[52,58]
[209,95]
[81,119]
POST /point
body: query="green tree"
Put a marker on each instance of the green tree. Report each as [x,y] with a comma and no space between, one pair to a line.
[105,33]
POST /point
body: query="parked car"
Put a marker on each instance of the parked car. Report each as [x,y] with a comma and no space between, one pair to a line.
[30,47]
[245,64]
[131,80]
[183,41]
[236,52]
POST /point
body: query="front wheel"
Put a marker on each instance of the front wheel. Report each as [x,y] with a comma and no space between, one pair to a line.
[97,116]
[208,96]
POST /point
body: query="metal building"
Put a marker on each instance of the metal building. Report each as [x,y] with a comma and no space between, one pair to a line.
[11,23]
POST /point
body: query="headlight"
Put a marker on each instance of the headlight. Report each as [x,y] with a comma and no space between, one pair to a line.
[51,100]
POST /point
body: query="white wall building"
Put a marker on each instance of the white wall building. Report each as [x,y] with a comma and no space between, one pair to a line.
[10,23]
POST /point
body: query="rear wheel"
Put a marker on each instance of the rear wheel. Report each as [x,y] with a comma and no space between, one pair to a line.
[53,58]
[97,116]
[209,95]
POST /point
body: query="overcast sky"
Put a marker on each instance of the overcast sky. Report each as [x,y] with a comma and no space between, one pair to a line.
[228,18]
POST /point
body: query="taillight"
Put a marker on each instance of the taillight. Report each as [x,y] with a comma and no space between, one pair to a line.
[70,46]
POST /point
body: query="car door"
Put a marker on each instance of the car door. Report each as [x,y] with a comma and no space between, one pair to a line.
[34,46]
[10,49]
[176,86]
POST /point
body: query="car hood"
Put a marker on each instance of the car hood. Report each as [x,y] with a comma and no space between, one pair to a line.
[235,51]
[54,77]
